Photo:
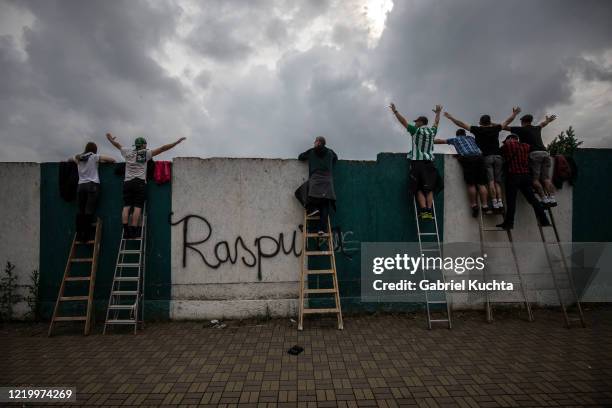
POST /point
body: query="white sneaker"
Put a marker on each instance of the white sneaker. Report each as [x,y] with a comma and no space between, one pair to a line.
[551,201]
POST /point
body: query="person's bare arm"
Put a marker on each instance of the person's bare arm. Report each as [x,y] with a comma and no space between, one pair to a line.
[106,159]
[398,115]
[113,141]
[437,111]
[439,141]
[515,111]
[547,120]
[166,147]
[456,121]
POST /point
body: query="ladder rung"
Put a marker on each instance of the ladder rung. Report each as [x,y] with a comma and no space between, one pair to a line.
[574,319]
[71,298]
[90,242]
[315,253]
[315,235]
[330,290]
[438,320]
[428,233]
[131,239]
[334,310]
[430,250]
[78,278]
[122,307]
[436,301]
[128,265]
[494,229]
[131,251]
[124,292]
[81,260]
[127,278]
[121,321]
[319,271]
[69,318]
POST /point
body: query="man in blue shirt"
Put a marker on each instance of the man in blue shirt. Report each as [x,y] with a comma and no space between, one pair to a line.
[474,172]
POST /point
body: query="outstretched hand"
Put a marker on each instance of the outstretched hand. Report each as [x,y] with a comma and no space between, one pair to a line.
[111,137]
[392,106]
[516,110]
[437,109]
[551,118]
[447,115]
[181,139]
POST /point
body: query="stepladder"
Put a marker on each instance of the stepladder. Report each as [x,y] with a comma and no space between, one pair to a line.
[485,228]
[318,268]
[561,274]
[436,302]
[126,300]
[76,293]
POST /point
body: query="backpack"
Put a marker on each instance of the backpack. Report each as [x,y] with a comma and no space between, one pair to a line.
[162,172]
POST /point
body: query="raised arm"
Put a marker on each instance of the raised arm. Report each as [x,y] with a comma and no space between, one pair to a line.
[515,111]
[106,159]
[437,111]
[398,115]
[547,120]
[113,141]
[456,121]
[166,147]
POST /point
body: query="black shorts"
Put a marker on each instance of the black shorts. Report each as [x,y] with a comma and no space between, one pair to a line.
[134,193]
[423,176]
[474,171]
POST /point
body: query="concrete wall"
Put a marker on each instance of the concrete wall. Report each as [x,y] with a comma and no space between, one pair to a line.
[248,204]
[20,223]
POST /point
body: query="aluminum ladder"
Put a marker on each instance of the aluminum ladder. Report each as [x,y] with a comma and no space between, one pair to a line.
[437,250]
[91,278]
[126,300]
[306,272]
[483,230]
[568,319]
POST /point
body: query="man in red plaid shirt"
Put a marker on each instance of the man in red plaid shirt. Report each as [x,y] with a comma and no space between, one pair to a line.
[516,156]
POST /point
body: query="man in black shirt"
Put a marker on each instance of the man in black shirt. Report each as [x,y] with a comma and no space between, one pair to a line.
[320,194]
[540,162]
[487,139]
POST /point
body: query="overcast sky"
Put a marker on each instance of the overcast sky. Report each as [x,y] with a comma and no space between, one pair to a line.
[255,78]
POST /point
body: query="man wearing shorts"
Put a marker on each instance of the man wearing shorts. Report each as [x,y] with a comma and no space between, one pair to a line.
[423,173]
[540,162]
[135,182]
[472,163]
[487,139]
[516,155]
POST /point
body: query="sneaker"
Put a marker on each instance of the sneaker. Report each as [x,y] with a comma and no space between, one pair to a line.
[495,203]
[313,213]
[321,233]
[474,211]
[127,232]
[135,232]
[552,202]
[487,210]
[426,215]
[505,226]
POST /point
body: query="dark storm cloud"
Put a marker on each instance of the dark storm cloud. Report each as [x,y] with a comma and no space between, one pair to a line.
[255,89]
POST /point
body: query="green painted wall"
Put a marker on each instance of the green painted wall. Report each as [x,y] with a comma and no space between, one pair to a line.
[57,229]
[375,205]
[592,199]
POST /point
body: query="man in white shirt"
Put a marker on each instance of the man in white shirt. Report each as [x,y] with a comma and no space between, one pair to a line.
[135,182]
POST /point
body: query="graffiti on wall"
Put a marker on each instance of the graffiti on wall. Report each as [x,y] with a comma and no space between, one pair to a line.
[237,250]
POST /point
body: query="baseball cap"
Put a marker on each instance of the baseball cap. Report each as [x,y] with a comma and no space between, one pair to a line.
[140,141]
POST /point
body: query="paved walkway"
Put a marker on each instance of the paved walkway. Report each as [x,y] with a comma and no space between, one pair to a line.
[386,361]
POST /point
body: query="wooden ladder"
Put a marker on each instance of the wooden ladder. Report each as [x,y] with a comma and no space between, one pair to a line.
[305,272]
[91,278]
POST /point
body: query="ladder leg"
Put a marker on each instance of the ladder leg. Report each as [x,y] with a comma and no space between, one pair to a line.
[520,276]
[304,260]
[330,245]
[488,308]
[416,216]
[62,285]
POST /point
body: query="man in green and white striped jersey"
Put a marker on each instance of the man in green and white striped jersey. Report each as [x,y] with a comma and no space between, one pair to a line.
[423,173]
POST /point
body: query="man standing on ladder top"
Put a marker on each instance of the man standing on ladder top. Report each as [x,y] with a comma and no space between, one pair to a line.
[472,163]
[516,155]
[318,193]
[135,182]
[540,162]
[423,173]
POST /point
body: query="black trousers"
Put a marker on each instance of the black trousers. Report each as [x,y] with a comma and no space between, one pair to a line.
[321,204]
[522,182]
[88,194]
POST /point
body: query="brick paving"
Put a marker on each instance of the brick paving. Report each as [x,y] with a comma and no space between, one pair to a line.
[378,360]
